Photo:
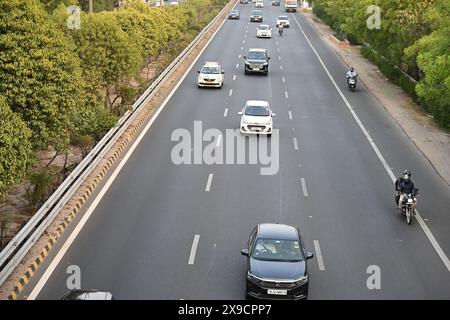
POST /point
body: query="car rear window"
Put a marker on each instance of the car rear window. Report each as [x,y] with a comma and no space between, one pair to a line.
[277,250]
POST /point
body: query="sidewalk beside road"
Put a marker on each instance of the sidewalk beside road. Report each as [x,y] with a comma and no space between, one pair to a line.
[430,139]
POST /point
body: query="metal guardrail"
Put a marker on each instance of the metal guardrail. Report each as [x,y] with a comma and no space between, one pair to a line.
[20,245]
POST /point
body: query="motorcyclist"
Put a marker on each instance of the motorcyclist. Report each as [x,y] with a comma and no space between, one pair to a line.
[351,73]
[280,29]
[404,186]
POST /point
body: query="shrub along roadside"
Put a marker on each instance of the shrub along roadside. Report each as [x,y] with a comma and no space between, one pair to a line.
[413,35]
[94,74]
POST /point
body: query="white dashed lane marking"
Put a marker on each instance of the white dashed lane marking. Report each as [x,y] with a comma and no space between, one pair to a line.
[319,255]
[208,183]
[295,143]
[305,191]
[194,249]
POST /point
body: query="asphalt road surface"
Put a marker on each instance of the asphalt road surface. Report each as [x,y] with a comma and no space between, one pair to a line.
[140,241]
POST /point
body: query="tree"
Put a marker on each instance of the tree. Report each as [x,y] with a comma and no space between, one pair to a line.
[433,57]
[15,148]
[39,72]
[108,55]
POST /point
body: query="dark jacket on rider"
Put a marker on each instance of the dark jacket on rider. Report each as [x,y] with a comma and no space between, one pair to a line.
[406,186]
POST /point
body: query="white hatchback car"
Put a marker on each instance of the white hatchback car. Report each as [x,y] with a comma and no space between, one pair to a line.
[259,4]
[211,75]
[264,31]
[284,20]
[256,118]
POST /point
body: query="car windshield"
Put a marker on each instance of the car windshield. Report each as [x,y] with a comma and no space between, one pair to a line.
[282,18]
[210,70]
[258,12]
[234,12]
[257,111]
[263,28]
[277,250]
[254,55]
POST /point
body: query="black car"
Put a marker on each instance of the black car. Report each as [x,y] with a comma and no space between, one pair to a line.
[256,16]
[257,61]
[277,267]
[243,1]
[276,3]
[234,14]
[87,294]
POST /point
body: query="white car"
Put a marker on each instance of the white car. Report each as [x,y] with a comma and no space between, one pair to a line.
[283,20]
[259,4]
[264,31]
[173,3]
[256,118]
[211,75]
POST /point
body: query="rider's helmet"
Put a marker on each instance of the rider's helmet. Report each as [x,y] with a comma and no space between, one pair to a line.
[406,174]
[352,69]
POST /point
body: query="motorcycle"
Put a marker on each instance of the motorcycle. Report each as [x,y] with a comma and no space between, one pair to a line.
[408,207]
[351,82]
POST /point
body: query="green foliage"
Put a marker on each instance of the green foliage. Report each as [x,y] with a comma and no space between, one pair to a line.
[39,72]
[42,182]
[414,35]
[15,148]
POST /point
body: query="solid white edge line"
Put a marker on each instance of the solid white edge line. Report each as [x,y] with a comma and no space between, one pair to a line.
[305,190]
[422,223]
[319,255]
[42,281]
[208,183]
[194,249]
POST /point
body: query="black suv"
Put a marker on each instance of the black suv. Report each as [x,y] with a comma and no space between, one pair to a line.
[257,61]
[276,263]
[256,16]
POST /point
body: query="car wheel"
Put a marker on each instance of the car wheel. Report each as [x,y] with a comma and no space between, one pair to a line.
[266,73]
[246,72]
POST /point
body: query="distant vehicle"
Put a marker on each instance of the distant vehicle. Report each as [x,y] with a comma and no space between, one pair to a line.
[211,75]
[234,14]
[290,5]
[276,263]
[87,294]
[283,20]
[276,3]
[173,3]
[264,31]
[159,3]
[243,1]
[257,60]
[256,118]
[259,4]
[256,16]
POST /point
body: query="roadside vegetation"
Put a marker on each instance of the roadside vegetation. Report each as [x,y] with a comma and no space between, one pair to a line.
[412,47]
[62,89]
